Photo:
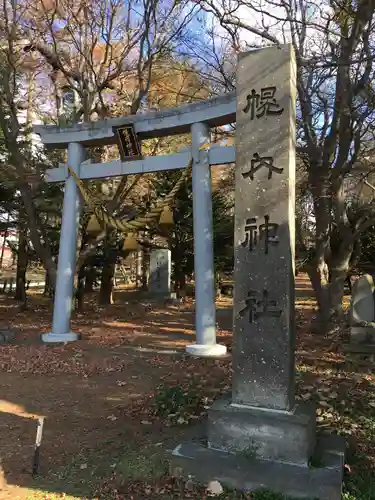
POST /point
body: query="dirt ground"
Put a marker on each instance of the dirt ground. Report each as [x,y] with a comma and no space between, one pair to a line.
[92,392]
[96,393]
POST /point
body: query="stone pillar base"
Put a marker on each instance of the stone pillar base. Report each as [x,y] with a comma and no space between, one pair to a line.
[206,351]
[249,448]
[51,338]
[362,334]
[364,350]
[322,480]
[282,436]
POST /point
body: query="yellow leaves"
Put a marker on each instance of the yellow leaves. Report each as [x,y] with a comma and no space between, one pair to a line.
[326,416]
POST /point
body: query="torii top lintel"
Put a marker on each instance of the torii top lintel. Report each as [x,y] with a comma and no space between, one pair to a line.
[215,112]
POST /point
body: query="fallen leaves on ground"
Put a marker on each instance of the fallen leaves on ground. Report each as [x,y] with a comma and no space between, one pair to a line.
[163,489]
[341,387]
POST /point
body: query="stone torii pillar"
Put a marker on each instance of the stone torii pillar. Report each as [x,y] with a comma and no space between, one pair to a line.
[61,331]
[204,275]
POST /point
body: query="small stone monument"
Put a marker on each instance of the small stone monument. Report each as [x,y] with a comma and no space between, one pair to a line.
[260,436]
[362,311]
[160,272]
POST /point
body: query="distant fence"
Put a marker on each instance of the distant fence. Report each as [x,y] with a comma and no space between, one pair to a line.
[8,284]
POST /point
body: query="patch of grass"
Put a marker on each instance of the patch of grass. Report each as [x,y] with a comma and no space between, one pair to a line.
[80,476]
[360,487]
[249,452]
[176,402]
[142,465]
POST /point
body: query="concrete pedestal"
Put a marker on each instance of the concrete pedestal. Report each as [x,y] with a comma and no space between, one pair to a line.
[363,350]
[206,350]
[362,334]
[283,436]
[249,448]
[51,338]
[246,473]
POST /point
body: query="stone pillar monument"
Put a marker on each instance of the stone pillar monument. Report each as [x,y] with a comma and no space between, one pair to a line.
[264,329]
[259,436]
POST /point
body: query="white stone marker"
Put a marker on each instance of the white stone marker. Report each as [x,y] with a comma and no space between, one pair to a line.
[160,271]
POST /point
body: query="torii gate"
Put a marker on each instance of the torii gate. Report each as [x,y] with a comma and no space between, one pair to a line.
[196,118]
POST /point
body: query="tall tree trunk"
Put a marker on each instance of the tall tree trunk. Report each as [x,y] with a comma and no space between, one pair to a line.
[80,292]
[90,279]
[145,265]
[339,267]
[179,275]
[318,269]
[336,288]
[3,248]
[341,246]
[20,160]
[22,261]
[48,291]
[4,242]
[106,286]
[108,270]
[180,280]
